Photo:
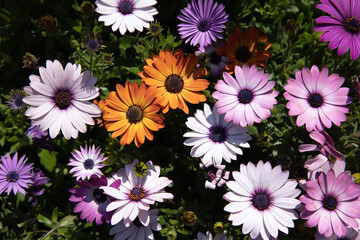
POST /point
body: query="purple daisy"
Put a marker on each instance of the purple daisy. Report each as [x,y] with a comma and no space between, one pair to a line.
[59,99]
[351,234]
[215,176]
[342,27]
[37,187]
[262,199]
[136,193]
[87,162]
[136,230]
[16,99]
[317,98]
[90,200]
[331,203]
[40,138]
[15,175]
[215,62]
[246,99]
[202,22]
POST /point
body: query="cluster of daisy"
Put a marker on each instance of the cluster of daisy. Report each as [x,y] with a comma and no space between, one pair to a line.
[261,198]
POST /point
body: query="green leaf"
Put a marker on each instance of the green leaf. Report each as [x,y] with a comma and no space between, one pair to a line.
[55,214]
[44,220]
[47,159]
[67,221]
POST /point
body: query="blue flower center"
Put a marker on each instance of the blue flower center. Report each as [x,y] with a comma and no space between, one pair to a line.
[88,164]
[218,134]
[125,7]
[137,193]
[243,54]
[174,83]
[329,203]
[203,25]
[92,45]
[12,176]
[352,25]
[245,96]
[215,58]
[316,100]
[134,114]
[99,196]
[63,99]
[261,201]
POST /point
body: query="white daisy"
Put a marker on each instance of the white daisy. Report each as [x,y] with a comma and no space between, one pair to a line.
[213,139]
[126,15]
[87,162]
[59,99]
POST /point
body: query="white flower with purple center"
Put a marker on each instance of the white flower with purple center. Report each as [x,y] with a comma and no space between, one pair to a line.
[215,176]
[59,99]
[213,139]
[136,193]
[126,15]
[87,162]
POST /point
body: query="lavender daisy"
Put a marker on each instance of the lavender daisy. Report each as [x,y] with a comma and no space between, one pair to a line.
[202,22]
[87,162]
[90,201]
[39,138]
[59,99]
[37,186]
[213,139]
[136,230]
[15,99]
[262,199]
[246,99]
[208,236]
[126,15]
[351,234]
[15,174]
[215,176]
[342,27]
[136,193]
[215,62]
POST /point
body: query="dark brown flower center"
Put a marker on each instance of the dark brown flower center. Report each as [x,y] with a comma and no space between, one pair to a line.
[243,54]
[352,25]
[245,96]
[99,196]
[125,7]
[63,99]
[174,83]
[134,114]
[88,164]
[215,58]
[316,100]
[12,176]
[329,203]
[217,134]
[137,193]
[203,25]
[261,201]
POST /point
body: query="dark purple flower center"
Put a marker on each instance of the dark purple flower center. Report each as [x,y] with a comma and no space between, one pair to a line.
[134,114]
[125,7]
[243,54]
[99,196]
[203,25]
[154,28]
[316,100]
[217,134]
[12,176]
[352,25]
[88,164]
[137,193]
[215,58]
[329,203]
[174,83]
[19,102]
[63,99]
[245,96]
[92,45]
[261,201]
[211,173]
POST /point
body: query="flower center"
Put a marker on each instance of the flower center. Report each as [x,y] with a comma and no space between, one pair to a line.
[88,164]
[203,25]
[134,114]
[215,58]
[316,100]
[217,134]
[99,196]
[243,54]
[63,99]
[92,45]
[137,193]
[261,201]
[125,7]
[352,25]
[12,176]
[245,96]
[19,102]
[329,203]
[154,28]
[211,173]
[174,83]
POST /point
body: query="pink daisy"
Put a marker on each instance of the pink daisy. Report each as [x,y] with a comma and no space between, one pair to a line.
[136,193]
[246,99]
[317,98]
[331,203]
[351,234]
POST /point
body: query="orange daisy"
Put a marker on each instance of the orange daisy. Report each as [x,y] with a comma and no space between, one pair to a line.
[176,79]
[132,113]
[241,49]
